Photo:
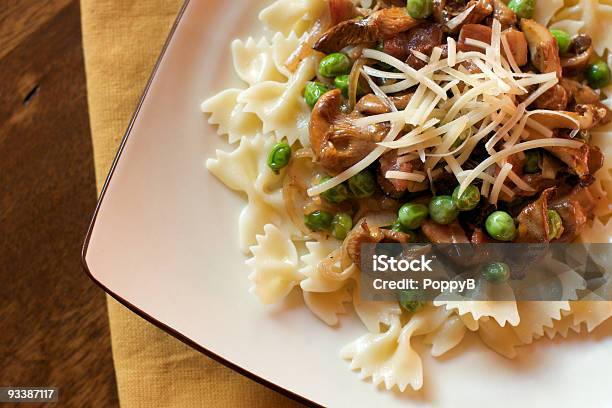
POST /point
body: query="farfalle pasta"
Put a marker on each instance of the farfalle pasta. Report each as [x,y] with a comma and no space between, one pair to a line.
[370,122]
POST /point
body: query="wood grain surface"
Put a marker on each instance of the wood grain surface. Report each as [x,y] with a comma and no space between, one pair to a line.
[53,321]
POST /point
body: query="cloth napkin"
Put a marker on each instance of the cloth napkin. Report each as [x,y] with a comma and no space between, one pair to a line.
[122,40]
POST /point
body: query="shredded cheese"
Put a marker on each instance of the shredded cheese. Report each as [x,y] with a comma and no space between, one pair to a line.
[499,182]
[450,103]
[402,175]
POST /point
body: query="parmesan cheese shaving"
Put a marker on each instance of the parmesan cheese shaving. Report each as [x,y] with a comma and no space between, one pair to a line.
[402,175]
[510,55]
[457,20]
[394,62]
[452,51]
[499,182]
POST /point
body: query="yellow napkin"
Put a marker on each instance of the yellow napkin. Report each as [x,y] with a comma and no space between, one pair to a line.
[122,40]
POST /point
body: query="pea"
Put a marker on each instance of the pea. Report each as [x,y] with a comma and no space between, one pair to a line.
[411,216]
[496,272]
[522,8]
[313,91]
[335,64]
[532,161]
[342,83]
[318,220]
[442,209]
[555,224]
[341,225]
[500,226]
[468,200]
[362,184]
[409,300]
[336,194]
[419,8]
[279,156]
[564,41]
[598,74]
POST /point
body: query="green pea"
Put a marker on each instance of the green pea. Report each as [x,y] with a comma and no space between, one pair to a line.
[342,83]
[335,194]
[279,156]
[522,8]
[500,226]
[341,225]
[496,272]
[442,209]
[532,161]
[409,300]
[411,216]
[598,74]
[564,41]
[419,8]
[555,224]
[468,200]
[335,64]
[313,91]
[362,184]
[318,220]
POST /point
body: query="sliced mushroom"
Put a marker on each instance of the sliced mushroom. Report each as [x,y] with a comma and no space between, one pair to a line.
[584,95]
[542,47]
[335,139]
[556,98]
[580,93]
[371,104]
[533,220]
[444,234]
[586,117]
[581,52]
[379,25]
[504,14]
[583,162]
[456,13]
[516,41]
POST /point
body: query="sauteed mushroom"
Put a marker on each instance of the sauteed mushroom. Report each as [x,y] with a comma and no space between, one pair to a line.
[335,139]
[381,24]
[543,47]
[581,52]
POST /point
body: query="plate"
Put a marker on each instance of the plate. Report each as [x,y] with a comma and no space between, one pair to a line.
[164,242]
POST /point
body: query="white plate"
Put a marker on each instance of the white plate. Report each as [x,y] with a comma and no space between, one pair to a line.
[164,242]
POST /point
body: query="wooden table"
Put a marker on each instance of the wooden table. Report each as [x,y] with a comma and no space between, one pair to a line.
[53,322]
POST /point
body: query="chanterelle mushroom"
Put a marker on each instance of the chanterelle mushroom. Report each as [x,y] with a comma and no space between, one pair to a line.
[335,139]
[542,47]
[379,25]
